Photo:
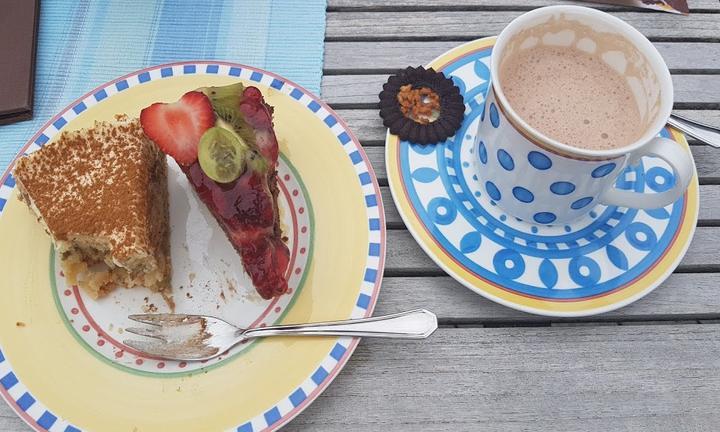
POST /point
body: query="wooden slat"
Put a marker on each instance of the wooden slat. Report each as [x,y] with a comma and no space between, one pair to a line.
[490,4]
[709,205]
[368,127]
[348,56]
[404,255]
[472,24]
[595,378]
[9,421]
[682,294]
[364,89]
[707,161]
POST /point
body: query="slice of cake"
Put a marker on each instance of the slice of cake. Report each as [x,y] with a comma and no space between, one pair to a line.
[224,141]
[101,194]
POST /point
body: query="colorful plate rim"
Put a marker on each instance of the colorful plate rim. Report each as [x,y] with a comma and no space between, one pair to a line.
[584,307]
[273,419]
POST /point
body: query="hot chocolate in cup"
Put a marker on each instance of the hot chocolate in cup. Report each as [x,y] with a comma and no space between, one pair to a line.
[576,96]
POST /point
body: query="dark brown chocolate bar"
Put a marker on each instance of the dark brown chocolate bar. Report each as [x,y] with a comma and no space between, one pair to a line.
[18,41]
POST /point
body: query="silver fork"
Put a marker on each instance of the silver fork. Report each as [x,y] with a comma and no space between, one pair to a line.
[202,337]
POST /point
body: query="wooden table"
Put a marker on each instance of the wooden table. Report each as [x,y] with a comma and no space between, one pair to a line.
[651,366]
[654,365]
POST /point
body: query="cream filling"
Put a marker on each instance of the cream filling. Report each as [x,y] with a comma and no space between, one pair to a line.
[60,245]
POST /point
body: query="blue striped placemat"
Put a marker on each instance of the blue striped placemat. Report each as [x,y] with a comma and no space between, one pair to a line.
[82,44]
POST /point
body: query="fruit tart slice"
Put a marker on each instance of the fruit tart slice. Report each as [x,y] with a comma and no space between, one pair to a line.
[223,140]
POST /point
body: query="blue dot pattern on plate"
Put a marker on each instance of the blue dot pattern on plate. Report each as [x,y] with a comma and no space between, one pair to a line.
[562,188]
[522,194]
[581,203]
[544,217]
[659,179]
[505,160]
[603,251]
[603,170]
[494,116]
[548,273]
[482,152]
[470,242]
[641,236]
[492,190]
[443,210]
[509,263]
[617,257]
[539,160]
[584,271]
[425,175]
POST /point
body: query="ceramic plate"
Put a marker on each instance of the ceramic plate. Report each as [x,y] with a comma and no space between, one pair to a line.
[63,366]
[607,259]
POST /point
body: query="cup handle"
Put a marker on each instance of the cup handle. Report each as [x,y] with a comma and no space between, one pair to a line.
[680,161]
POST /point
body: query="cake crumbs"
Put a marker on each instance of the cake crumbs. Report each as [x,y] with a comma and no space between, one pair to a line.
[222,296]
[19,324]
[231,286]
[188,295]
[191,277]
[151,308]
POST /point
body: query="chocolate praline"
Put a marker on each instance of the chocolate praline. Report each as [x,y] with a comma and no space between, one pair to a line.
[450,116]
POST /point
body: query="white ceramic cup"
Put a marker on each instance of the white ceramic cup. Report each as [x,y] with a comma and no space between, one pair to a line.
[540,180]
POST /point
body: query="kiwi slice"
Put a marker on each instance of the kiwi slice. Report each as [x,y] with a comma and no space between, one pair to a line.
[225,101]
[222,154]
[225,95]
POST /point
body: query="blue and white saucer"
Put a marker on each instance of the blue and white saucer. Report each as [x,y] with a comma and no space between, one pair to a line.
[603,261]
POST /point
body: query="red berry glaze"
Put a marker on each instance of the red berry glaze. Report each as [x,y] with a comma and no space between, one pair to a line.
[258,114]
[246,207]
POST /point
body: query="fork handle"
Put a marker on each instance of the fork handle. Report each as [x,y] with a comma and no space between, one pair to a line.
[416,324]
[708,134]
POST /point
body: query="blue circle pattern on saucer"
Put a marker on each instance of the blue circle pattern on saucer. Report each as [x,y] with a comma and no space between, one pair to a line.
[602,251]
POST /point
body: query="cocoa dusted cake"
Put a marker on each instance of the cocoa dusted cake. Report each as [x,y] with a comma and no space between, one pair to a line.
[101,194]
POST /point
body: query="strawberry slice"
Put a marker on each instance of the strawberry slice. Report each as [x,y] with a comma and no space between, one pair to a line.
[177,127]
